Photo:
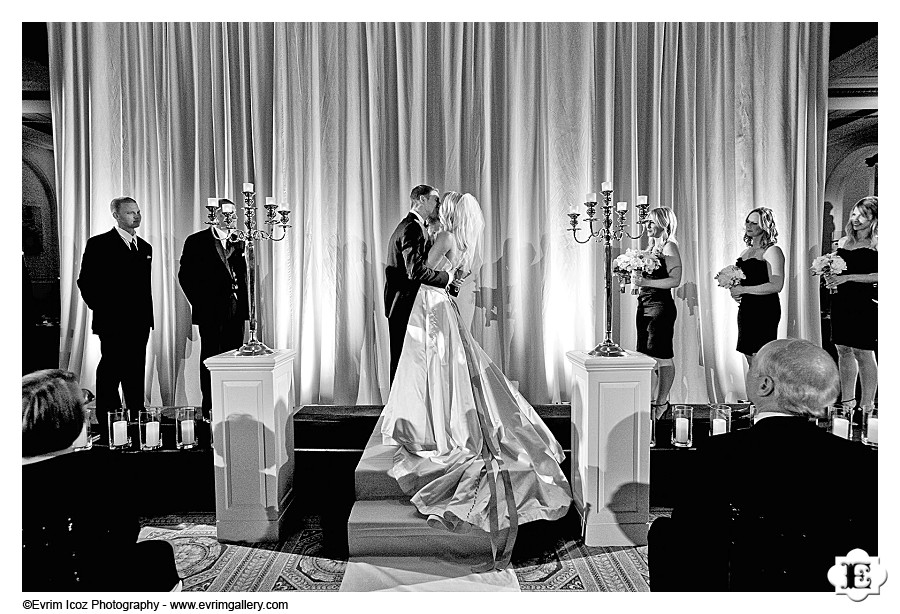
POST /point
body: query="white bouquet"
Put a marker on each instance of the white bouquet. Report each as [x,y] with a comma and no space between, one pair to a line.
[829,264]
[632,263]
[730,276]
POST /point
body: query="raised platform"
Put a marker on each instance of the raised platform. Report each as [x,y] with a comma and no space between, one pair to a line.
[383,522]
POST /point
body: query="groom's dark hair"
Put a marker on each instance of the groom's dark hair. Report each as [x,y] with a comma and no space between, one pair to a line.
[420,190]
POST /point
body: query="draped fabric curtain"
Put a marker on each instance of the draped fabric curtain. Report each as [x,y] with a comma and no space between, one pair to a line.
[341,120]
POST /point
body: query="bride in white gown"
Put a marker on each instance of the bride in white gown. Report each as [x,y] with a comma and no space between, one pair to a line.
[472,451]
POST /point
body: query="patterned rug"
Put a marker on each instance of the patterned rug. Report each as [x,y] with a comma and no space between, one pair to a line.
[297,564]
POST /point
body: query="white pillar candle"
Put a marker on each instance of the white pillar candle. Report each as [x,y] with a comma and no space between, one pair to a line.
[718,426]
[120,432]
[248,187]
[151,435]
[681,430]
[227,208]
[212,202]
[642,200]
[591,197]
[81,441]
[187,431]
[270,200]
[872,432]
[622,206]
[606,186]
[841,427]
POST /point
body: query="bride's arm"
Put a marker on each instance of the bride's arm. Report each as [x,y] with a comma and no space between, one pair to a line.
[439,249]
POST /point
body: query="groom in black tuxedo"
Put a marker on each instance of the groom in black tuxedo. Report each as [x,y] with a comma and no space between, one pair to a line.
[213,276]
[406,267]
[115,283]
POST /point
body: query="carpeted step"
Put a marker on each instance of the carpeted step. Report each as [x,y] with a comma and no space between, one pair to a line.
[371,477]
[393,527]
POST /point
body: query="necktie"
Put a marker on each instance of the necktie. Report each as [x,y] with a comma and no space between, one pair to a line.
[134,248]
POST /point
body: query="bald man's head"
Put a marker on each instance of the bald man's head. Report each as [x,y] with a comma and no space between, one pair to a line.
[793,376]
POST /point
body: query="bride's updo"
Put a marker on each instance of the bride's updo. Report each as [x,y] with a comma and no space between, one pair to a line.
[461,215]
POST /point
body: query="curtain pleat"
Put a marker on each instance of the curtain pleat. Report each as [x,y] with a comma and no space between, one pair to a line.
[339,121]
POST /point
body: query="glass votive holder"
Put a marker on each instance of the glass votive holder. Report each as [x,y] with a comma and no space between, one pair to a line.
[117,421]
[682,426]
[870,426]
[824,420]
[841,417]
[185,428]
[719,419]
[149,428]
[84,441]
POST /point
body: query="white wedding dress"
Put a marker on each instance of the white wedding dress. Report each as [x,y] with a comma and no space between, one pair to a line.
[472,451]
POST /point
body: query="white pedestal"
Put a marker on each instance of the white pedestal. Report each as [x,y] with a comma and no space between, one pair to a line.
[611,446]
[253,442]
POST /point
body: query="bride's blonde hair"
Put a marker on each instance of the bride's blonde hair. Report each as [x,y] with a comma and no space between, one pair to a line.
[461,215]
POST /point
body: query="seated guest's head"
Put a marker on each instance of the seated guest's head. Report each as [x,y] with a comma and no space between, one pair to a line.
[52,411]
[792,376]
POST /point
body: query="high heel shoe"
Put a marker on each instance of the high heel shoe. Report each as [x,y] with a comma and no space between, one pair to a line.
[654,407]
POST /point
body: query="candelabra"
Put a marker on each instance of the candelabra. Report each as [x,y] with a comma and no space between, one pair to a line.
[249,236]
[607,234]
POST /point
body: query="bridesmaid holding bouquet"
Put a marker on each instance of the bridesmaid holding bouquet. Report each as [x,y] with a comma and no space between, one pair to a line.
[854,307]
[762,263]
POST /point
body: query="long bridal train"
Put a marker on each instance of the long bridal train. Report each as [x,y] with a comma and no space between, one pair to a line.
[473,455]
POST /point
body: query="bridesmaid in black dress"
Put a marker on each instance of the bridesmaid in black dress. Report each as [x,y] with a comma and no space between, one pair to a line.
[656,310]
[759,309]
[854,308]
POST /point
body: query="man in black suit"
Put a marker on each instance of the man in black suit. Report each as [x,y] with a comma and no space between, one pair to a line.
[213,276]
[406,267]
[115,283]
[770,507]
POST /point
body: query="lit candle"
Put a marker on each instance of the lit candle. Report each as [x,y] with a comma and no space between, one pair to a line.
[872,432]
[212,202]
[120,432]
[82,437]
[270,200]
[622,206]
[718,426]
[642,200]
[187,431]
[590,198]
[151,436]
[248,187]
[841,427]
[227,208]
[681,430]
[606,186]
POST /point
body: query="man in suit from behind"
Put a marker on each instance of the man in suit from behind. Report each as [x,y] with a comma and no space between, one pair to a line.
[115,283]
[406,268]
[213,276]
[770,507]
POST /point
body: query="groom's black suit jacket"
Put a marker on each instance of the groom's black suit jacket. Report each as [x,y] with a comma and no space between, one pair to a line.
[406,269]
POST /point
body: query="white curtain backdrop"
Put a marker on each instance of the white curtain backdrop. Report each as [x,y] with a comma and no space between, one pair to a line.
[341,120]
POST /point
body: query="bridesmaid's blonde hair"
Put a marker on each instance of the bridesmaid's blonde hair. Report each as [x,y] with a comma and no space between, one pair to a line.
[665,218]
[869,206]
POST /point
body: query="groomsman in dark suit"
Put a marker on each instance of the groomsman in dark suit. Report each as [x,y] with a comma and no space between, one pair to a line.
[115,283]
[406,267]
[213,276]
